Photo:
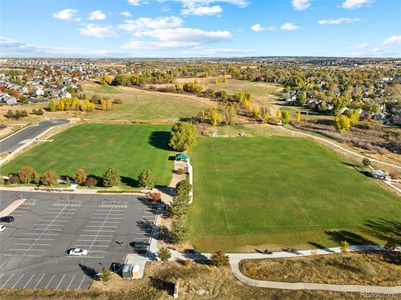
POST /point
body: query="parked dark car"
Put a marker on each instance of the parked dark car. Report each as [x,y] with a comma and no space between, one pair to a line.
[140,247]
[7,219]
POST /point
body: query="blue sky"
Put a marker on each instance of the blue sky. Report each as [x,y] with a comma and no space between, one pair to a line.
[188,28]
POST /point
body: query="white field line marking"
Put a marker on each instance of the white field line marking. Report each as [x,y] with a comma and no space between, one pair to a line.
[17,281]
[34,242]
[7,281]
[68,287]
[39,281]
[83,277]
[60,282]
[50,281]
[28,281]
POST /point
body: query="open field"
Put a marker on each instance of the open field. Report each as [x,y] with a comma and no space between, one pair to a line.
[280,191]
[96,147]
[365,269]
[143,105]
[196,282]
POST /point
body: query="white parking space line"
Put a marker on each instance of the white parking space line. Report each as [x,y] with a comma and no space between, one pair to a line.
[82,280]
[111,218]
[27,244]
[113,222]
[26,284]
[50,281]
[107,214]
[45,233]
[17,281]
[60,282]
[39,229]
[96,235]
[34,250]
[39,281]
[100,230]
[25,255]
[96,226]
[104,241]
[41,224]
[68,287]
[4,284]
[32,239]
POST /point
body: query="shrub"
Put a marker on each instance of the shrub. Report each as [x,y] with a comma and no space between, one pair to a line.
[393,175]
[156,196]
[13,179]
[285,117]
[36,178]
[118,101]
[80,177]
[25,174]
[106,274]
[111,178]
[366,162]
[164,254]
[180,171]
[219,259]
[91,181]
[146,179]
[344,247]
[50,178]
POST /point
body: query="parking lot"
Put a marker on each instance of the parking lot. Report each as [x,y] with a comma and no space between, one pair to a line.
[33,248]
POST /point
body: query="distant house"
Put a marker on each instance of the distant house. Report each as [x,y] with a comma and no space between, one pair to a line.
[182,157]
[11,101]
[378,174]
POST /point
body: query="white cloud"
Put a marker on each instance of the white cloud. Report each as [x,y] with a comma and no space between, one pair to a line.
[201,10]
[65,14]
[98,31]
[15,48]
[126,14]
[289,26]
[135,2]
[361,45]
[258,28]
[300,4]
[350,4]
[394,39]
[177,38]
[377,50]
[97,15]
[142,24]
[165,9]
[338,21]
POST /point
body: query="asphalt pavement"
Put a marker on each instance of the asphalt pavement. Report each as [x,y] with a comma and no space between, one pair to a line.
[33,248]
[25,135]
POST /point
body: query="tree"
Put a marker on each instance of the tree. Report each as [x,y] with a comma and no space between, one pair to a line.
[298,116]
[9,114]
[301,99]
[80,177]
[111,178]
[146,179]
[106,274]
[353,116]
[50,178]
[219,259]
[183,187]
[366,162]
[164,254]
[179,231]
[344,247]
[36,178]
[342,124]
[285,117]
[26,174]
[183,136]
[339,104]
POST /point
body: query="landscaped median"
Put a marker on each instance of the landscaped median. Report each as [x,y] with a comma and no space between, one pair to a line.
[351,269]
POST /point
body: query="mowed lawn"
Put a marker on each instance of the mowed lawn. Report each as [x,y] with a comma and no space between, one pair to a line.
[141,105]
[96,147]
[278,191]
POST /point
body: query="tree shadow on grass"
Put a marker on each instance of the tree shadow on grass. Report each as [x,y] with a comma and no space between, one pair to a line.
[160,140]
[161,284]
[352,238]
[385,230]
[130,181]
[320,246]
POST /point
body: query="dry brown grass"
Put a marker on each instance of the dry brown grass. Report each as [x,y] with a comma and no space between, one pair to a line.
[368,269]
[196,282]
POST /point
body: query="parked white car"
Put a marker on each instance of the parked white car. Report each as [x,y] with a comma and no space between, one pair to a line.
[2,227]
[78,252]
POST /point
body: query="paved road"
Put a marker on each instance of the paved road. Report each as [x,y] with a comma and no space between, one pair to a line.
[25,135]
[33,247]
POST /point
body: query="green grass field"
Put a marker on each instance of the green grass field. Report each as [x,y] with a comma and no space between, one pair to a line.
[96,147]
[279,191]
[141,105]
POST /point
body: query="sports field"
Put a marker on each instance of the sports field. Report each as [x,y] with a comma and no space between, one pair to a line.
[96,147]
[279,192]
[142,105]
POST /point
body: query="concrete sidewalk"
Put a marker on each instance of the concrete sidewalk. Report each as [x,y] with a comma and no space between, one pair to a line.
[13,206]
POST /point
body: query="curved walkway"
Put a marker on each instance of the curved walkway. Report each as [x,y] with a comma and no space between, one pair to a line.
[314,286]
[297,131]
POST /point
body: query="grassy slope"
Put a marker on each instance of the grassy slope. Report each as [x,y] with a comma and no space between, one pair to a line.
[96,147]
[278,191]
[141,105]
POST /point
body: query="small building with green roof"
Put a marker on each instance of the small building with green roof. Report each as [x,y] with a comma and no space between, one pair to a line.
[182,157]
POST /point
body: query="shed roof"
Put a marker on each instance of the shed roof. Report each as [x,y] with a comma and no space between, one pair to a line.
[182,156]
